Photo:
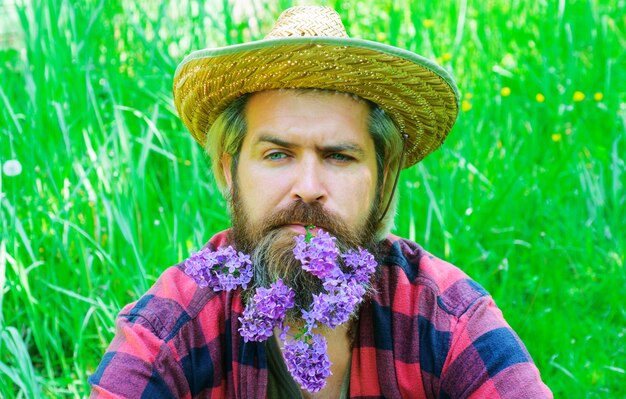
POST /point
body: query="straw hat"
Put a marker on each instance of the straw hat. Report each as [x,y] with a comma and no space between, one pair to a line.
[309,48]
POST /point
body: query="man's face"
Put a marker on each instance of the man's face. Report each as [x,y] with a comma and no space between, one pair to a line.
[310,147]
[307,159]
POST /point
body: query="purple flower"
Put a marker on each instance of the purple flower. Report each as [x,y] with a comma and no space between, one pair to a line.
[199,266]
[266,311]
[334,308]
[255,327]
[223,269]
[310,320]
[226,282]
[361,263]
[307,361]
[318,256]
[335,280]
[273,302]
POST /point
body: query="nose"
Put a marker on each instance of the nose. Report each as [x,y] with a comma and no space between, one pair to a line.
[309,185]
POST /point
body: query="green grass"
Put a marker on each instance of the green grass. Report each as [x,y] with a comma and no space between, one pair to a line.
[528,197]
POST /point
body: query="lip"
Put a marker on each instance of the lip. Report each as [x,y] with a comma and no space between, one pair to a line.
[301,229]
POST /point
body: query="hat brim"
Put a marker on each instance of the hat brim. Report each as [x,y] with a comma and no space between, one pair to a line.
[419,96]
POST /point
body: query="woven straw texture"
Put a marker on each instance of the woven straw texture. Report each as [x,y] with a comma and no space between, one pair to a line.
[423,103]
[308,21]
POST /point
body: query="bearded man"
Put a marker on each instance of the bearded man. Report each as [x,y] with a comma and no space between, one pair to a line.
[307,131]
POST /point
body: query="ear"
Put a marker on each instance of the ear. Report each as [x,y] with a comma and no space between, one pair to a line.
[227,161]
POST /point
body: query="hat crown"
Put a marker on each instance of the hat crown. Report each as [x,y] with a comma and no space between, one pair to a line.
[308,21]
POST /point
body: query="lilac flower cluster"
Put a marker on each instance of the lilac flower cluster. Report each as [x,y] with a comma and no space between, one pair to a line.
[343,277]
[343,289]
[266,311]
[307,361]
[221,270]
[318,254]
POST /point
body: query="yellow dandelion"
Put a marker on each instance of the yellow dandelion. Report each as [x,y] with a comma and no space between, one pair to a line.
[540,98]
[446,56]
[578,96]
[598,96]
[466,105]
[556,137]
[381,36]
[428,23]
[505,91]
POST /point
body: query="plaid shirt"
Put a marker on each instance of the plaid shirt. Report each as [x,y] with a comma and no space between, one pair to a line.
[428,332]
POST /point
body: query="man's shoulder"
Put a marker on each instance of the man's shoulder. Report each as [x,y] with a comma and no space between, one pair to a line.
[175,300]
[415,270]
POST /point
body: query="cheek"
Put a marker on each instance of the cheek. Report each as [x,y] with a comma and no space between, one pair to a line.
[357,194]
[260,190]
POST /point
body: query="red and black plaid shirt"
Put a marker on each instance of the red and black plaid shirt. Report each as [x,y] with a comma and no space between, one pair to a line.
[428,332]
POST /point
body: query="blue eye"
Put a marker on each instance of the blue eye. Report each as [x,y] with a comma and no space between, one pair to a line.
[340,157]
[275,156]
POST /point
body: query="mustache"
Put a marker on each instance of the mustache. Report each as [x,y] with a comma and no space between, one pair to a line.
[306,214]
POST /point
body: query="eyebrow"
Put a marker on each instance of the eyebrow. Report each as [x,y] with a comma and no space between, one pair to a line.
[275,140]
[340,147]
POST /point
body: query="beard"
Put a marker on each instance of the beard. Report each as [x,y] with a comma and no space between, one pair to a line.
[270,245]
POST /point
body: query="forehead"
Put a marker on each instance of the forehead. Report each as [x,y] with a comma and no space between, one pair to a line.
[308,114]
